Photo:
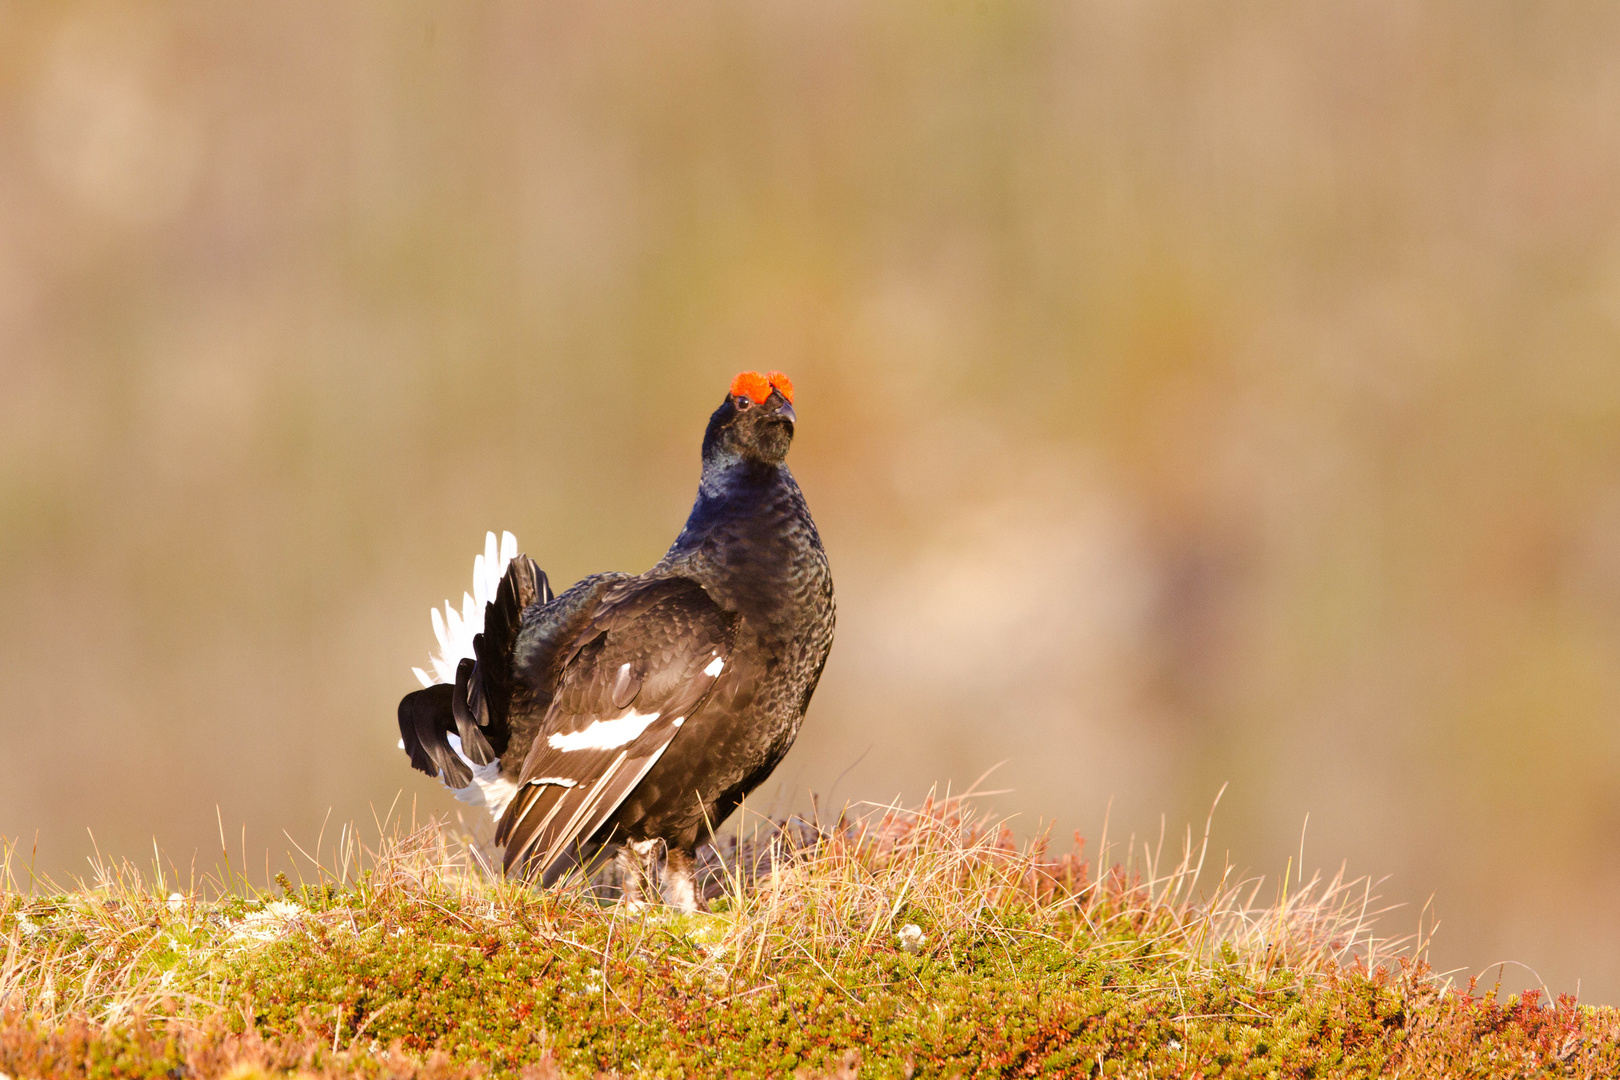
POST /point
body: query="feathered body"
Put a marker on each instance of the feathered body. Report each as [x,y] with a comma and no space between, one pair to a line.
[638,711]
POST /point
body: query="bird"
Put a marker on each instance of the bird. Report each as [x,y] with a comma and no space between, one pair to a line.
[630,714]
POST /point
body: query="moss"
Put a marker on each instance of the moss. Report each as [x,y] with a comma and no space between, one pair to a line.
[415,971]
[598,992]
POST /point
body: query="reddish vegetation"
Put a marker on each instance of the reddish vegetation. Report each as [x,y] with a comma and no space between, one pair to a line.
[902,943]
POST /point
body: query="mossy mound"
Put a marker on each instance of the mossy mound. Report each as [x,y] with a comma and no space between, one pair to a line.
[914,946]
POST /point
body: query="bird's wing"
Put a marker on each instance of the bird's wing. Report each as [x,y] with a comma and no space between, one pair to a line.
[641,667]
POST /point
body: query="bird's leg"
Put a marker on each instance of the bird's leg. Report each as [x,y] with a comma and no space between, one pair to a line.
[680,881]
[638,870]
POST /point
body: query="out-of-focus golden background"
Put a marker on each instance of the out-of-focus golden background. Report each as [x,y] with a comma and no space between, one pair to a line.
[1187,394]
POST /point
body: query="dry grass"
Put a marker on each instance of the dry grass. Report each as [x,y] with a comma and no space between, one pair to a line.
[895,933]
[844,885]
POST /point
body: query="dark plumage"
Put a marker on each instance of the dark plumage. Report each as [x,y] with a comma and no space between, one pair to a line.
[637,711]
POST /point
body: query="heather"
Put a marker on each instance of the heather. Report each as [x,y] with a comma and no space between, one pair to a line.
[892,942]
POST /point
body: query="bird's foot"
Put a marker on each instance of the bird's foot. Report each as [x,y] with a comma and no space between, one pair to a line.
[638,873]
[680,882]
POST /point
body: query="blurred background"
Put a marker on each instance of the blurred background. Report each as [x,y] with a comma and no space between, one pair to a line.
[1188,395]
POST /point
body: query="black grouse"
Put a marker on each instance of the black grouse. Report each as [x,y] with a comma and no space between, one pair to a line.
[634,712]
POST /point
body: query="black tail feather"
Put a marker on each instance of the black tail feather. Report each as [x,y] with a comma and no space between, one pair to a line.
[473,743]
[425,718]
[483,700]
[475,707]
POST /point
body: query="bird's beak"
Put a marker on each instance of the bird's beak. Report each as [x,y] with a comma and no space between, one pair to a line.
[785,410]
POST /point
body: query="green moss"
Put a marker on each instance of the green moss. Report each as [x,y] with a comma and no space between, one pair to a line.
[419,971]
[1012,995]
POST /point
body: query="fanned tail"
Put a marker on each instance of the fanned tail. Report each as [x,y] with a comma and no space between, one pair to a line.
[455,728]
[454,629]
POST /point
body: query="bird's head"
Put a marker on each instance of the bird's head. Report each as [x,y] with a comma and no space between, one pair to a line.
[755,422]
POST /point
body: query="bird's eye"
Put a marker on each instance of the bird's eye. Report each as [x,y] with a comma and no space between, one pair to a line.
[743,401]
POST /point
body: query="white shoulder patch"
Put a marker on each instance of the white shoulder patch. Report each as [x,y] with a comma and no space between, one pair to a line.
[603,734]
[715,666]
